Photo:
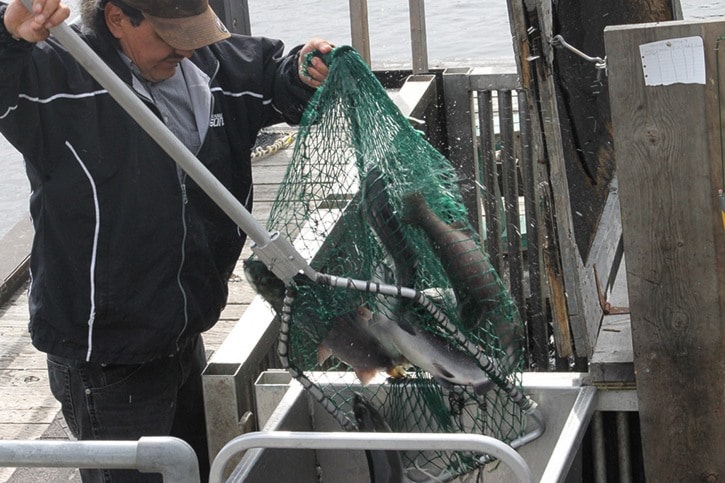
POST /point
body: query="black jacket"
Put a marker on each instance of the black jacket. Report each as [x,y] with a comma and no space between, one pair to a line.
[130,256]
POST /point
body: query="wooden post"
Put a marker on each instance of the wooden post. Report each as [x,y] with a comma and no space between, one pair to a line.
[418,36]
[234,15]
[459,119]
[359,28]
[568,95]
[668,144]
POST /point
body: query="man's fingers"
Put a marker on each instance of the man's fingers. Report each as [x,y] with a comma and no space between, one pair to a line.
[57,17]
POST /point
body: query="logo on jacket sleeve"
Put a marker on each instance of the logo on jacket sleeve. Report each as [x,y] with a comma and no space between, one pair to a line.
[217,120]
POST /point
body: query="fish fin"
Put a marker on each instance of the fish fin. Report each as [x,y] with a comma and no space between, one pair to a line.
[396,372]
[443,371]
[365,375]
[407,326]
[323,353]
[482,387]
[444,383]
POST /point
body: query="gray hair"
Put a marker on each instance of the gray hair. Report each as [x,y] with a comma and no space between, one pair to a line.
[94,20]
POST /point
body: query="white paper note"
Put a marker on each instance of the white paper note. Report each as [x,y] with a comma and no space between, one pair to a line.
[673,61]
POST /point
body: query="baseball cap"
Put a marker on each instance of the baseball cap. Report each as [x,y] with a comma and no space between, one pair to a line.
[183,24]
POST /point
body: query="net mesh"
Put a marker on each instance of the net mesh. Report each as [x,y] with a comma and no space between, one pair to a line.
[367,197]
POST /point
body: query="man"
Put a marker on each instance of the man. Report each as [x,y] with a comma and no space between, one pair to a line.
[131,258]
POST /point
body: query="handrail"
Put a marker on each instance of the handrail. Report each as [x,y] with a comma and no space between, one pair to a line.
[172,457]
[571,435]
[371,441]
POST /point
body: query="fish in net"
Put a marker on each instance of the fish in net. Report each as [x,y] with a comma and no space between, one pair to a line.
[367,198]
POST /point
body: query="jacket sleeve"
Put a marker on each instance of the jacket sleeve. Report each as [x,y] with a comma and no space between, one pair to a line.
[258,68]
[35,82]
[15,74]
[290,94]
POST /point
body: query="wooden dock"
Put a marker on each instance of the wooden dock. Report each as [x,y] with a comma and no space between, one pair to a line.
[27,408]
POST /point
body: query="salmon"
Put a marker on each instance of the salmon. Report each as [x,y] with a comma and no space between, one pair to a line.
[350,340]
[385,223]
[478,290]
[384,466]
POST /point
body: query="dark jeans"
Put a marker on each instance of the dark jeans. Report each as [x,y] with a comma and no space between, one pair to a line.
[162,397]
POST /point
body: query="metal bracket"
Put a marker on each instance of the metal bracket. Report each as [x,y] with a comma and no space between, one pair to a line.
[600,64]
[607,308]
[281,258]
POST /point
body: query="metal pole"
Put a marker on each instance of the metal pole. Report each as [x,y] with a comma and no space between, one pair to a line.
[623,447]
[172,457]
[598,449]
[372,441]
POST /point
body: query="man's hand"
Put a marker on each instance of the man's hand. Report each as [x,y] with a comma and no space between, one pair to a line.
[316,71]
[34,26]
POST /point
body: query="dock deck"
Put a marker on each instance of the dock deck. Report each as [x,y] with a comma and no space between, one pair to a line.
[28,409]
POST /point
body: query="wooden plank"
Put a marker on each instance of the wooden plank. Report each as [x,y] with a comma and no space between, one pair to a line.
[28,358]
[16,314]
[240,291]
[265,192]
[555,278]
[24,378]
[26,398]
[487,192]
[261,212]
[42,409]
[461,147]
[24,430]
[266,173]
[214,337]
[509,171]
[537,325]
[668,143]
[535,177]
[532,26]
[612,363]
[574,115]
[15,259]
[232,312]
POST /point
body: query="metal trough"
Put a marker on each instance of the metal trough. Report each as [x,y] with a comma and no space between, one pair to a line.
[566,401]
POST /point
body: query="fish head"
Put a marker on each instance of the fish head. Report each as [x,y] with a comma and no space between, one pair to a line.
[265,283]
[349,341]
[368,418]
[363,314]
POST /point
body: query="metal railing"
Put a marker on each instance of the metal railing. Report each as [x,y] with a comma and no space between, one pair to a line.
[172,457]
[371,441]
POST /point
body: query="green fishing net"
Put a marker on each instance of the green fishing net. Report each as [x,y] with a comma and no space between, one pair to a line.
[366,197]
